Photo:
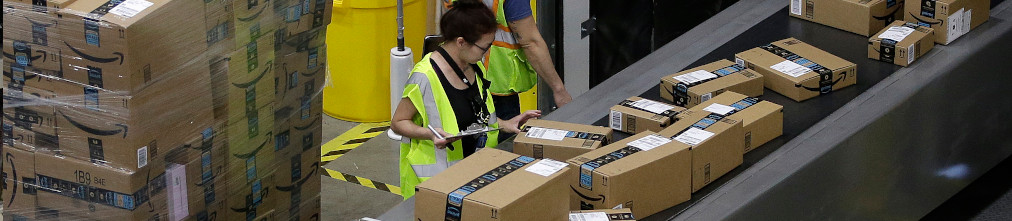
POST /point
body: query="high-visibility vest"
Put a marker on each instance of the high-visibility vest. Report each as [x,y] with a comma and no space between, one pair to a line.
[507,65]
[419,159]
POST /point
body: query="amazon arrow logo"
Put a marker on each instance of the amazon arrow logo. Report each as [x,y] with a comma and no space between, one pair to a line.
[14,176]
[843,75]
[891,16]
[255,151]
[255,15]
[930,23]
[302,128]
[95,131]
[254,81]
[316,166]
[589,198]
[119,55]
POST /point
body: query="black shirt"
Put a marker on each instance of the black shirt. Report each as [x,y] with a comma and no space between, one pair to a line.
[460,101]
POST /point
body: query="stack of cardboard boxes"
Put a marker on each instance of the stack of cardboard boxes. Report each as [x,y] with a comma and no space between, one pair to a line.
[162,109]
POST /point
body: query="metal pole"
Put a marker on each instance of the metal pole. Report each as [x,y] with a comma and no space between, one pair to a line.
[400,25]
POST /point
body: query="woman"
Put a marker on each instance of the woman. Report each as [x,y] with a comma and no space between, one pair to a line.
[448,92]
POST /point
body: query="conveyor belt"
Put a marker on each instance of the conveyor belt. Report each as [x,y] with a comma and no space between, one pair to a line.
[869,151]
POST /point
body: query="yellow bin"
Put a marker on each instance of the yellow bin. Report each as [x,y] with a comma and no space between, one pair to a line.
[359,39]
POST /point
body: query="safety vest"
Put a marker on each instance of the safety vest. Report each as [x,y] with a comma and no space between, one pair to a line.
[419,159]
[507,65]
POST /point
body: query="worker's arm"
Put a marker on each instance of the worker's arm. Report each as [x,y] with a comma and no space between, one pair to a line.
[513,125]
[534,46]
[402,125]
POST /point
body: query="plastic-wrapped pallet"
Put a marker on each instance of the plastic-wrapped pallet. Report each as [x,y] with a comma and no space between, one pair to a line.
[162,109]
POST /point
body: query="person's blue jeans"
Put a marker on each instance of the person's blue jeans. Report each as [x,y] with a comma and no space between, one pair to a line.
[506,107]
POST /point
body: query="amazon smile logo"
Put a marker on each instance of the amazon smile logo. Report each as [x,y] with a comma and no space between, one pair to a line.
[315,166]
[924,21]
[255,151]
[257,79]
[891,16]
[123,128]
[14,176]
[119,56]
[843,75]
[588,198]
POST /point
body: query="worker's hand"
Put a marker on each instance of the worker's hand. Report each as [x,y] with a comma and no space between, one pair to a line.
[562,97]
[513,125]
[442,143]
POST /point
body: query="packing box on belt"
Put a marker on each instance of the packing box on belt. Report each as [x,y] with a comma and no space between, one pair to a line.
[635,115]
[798,70]
[494,184]
[558,140]
[19,184]
[109,43]
[75,189]
[950,19]
[646,173]
[863,17]
[762,120]
[28,54]
[693,86]
[901,43]
[716,144]
[602,215]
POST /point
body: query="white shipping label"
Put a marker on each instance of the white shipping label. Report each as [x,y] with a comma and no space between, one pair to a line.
[791,68]
[595,216]
[694,136]
[911,54]
[967,21]
[705,97]
[547,134]
[130,8]
[796,7]
[142,157]
[695,76]
[617,207]
[649,142]
[954,26]
[739,61]
[719,109]
[546,167]
[896,33]
[616,120]
[651,106]
[176,180]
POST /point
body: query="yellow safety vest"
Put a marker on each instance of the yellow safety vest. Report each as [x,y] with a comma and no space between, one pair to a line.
[507,65]
[419,159]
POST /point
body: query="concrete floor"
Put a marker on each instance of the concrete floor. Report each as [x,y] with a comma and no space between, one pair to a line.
[375,159]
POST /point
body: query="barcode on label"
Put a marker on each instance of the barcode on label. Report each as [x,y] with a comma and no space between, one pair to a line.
[796,7]
[739,61]
[616,120]
[142,157]
[911,53]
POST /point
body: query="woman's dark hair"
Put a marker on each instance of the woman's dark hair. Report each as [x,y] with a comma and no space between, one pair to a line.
[469,19]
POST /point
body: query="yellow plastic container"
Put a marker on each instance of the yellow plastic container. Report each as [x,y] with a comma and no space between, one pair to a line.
[359,39]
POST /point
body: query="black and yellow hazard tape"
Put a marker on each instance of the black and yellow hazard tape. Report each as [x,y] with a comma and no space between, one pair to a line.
[350,140]
[362,181]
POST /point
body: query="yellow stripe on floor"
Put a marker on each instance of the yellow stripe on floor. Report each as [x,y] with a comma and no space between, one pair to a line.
[350,140]
[372,184]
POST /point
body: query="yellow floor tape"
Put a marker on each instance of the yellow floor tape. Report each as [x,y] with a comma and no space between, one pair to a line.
[372,184]
[350,140]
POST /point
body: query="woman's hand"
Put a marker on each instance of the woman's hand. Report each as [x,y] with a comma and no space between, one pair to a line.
[513,125]
[442,143]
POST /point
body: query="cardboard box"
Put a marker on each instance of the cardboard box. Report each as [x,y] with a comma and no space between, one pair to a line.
[250,149]
[250,72]
[636,115]
[901,43]
[28,54]
[29,140]
[31,98]
[494,184]
[300,16]
[558,140]
[299,183]
[716,144]
[75,189]
[253,20]
[301,42]
[219,26]
[255,200]
[957,16]
[761,120]
[33,21]
[693,86]
[196,176]
[19,185]
[864,17]
[212,212]
[308,136]
[625,175]
[808,73]
[113,52]
[309,210]
[300,78]
[22,77]
[32,120]
[604,214]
